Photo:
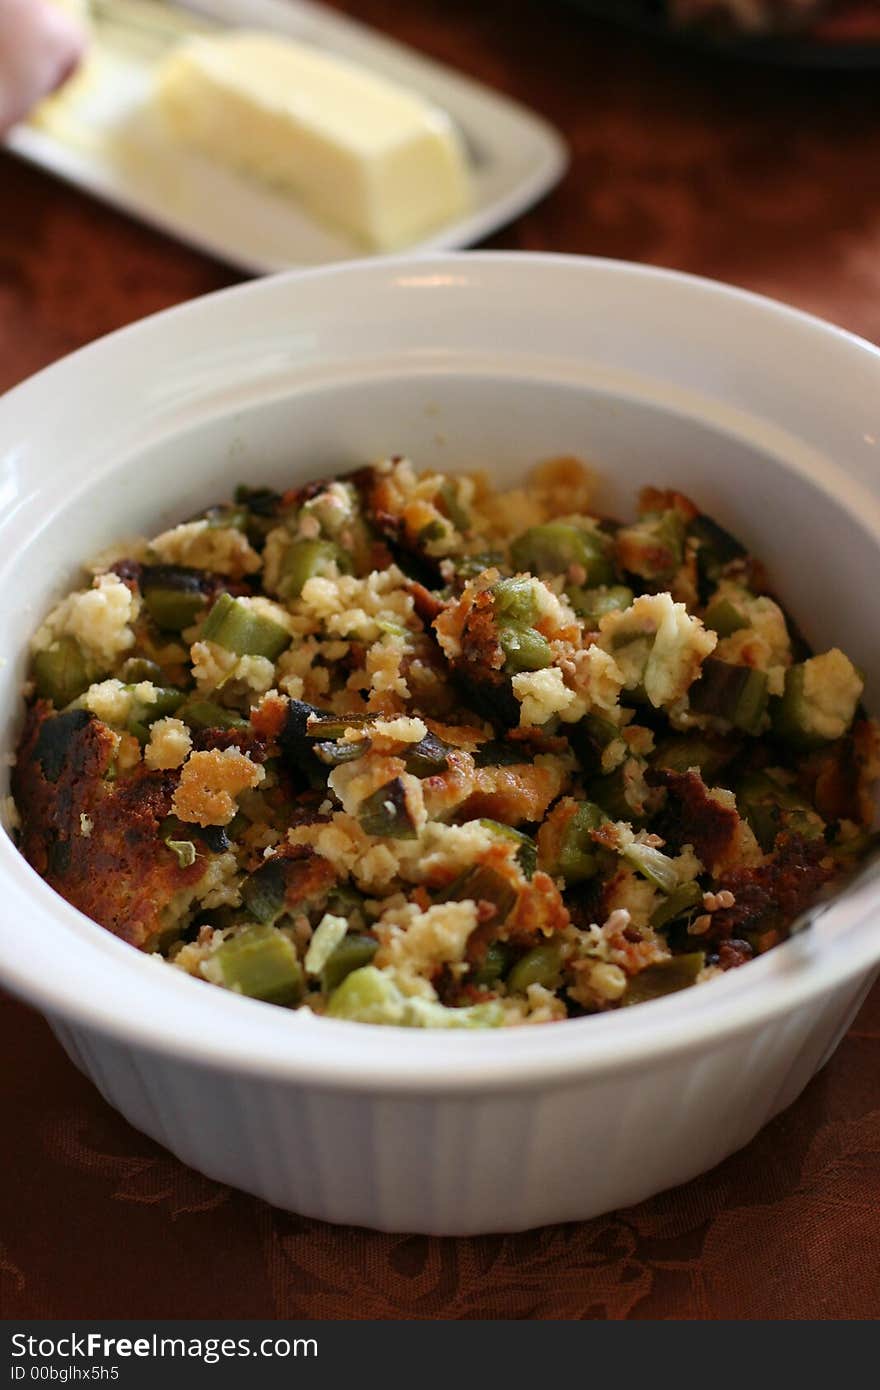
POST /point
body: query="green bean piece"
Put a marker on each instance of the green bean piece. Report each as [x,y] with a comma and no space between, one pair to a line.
[594,604]
[223,515]
[453,508]
[577,858]
[470,566]
[333,754]
[526,849]
[324,726]
[262,892]
[724,617]
[60,672]
[483,883]
[679,903]
[738,694]
[716,548]
[144,713]
[667,977]
[498,753]
[173,595]
[590,738]
[653,865]
[524,648]
[771,809]
[138,668]
[494,964]
[310,559]
[427,757]
[542,965]
[205,714]
[556,546]
[621,793]
[353,952]
[681,752]
[387,812]
[819,702]
[515,602]
[262,963]
[652,548]
[369,996]
[434,531]
[262,509]
[241,630]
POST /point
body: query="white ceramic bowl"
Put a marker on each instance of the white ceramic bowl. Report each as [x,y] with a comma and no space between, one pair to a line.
[771,419]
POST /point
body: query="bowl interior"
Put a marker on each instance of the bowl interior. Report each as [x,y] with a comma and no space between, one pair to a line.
[822,557]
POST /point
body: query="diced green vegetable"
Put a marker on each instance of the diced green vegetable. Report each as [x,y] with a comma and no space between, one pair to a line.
[594,604]
[470,566]
[60,672]
[524,648]
[231,624]
[542,965]
[262,963]
[723,617]
[204,714]
[716,548]
[679,903]
[345,901]
[652,548]
[368,996]
[738,694]
[771,808]
[819,702]
[669,976]
[310,559]
[225,514]
[623,792]
[516,602]
[482,883]
[684,751]
[139,668]
[499,753]
[555,547]
[591,737]
[322,725]
[526,849]
[387,812]
[653,865]
[333,754]
[453,508]
[427,757]
[494,964]
[577,859]
[173,595]
[262,892]
[144,713]
[352,953]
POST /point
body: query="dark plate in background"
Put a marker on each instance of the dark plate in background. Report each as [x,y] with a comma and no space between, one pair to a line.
[846,36]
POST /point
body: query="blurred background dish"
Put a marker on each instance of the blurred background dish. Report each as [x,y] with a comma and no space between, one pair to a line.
[106,134]
[808,33]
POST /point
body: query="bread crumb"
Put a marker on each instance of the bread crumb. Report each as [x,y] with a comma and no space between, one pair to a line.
[209,784]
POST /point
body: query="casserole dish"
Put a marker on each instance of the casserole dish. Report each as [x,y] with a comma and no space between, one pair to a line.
[489,361]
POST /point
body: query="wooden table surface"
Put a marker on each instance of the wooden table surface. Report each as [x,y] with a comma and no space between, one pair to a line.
[765,178]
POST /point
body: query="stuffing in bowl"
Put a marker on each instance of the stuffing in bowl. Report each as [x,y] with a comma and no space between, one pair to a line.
[401,748]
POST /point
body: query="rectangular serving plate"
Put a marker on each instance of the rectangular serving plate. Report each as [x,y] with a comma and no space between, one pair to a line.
[106,139]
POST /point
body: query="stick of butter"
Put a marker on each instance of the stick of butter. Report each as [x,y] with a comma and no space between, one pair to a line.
[372,158]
